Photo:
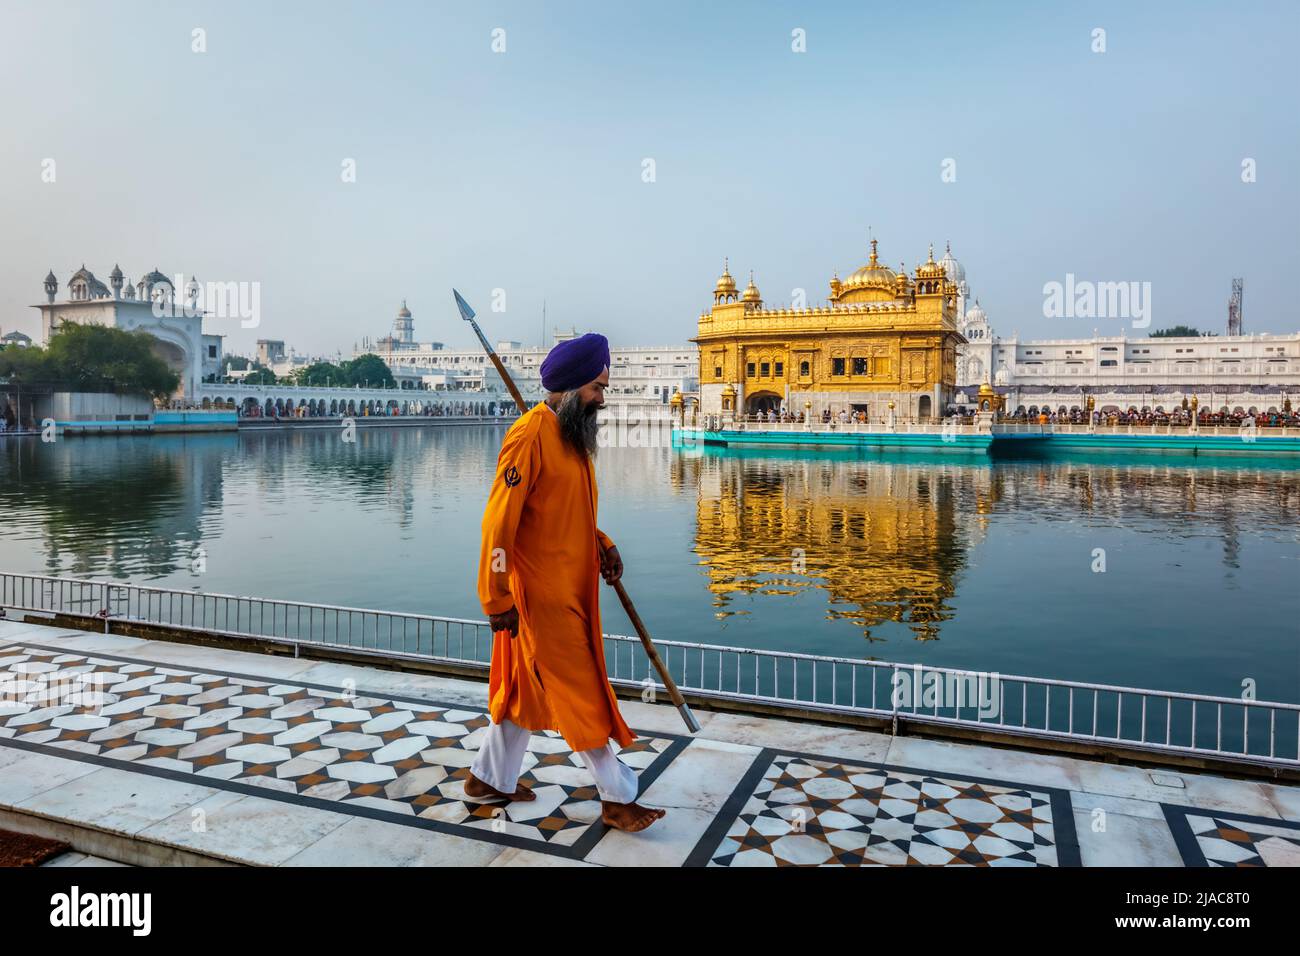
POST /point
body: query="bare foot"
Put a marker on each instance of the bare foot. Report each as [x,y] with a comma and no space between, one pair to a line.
[476,788]
[628,816]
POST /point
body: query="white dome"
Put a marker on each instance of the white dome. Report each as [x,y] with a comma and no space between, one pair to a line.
[952,268]
[975,314]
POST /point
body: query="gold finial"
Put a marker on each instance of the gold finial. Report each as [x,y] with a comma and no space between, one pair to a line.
[725,265]
[947,246]
[930,261]
[873,252]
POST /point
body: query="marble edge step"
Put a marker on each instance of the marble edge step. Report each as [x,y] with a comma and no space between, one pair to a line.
[115,846]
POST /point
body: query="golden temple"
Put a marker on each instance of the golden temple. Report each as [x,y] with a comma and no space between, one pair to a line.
[885,342]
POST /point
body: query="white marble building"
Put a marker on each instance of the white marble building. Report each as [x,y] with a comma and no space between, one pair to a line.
[638,374]
[1227,370]
[182,343]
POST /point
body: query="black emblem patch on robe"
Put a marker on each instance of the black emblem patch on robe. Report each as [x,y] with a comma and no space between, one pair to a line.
[511,476]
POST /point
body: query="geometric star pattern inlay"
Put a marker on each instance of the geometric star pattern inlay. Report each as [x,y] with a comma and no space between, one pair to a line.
[406,759]
[801,810]
[1219,838]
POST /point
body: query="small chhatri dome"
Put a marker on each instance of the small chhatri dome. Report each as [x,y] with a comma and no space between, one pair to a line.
[952,268]
[116,273]
[725,282]
[932,270]
[155,277]
[404,312]
[84,284]
[900,278]
[751,290]
[975,313]
[50,277]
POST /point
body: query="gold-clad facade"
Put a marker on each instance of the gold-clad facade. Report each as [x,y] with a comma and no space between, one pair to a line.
[882,337]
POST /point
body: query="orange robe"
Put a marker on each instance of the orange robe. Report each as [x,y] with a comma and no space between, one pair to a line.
[539,554]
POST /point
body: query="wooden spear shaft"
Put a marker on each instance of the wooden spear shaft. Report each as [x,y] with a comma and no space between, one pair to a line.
[679,701]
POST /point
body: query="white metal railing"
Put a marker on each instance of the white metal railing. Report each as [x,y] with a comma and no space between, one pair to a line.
[1257,732]
[215,389]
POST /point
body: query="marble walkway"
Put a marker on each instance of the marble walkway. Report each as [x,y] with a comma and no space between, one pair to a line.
[201,756]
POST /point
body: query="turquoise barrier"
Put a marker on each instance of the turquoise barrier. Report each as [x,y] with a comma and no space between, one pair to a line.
[972,442]
[1258,445]
[194,420]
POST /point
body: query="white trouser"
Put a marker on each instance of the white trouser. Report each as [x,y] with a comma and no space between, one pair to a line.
[501,757]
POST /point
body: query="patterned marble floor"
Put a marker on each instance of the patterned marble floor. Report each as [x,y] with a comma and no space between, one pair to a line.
[743,792]
[403,760]
[1216,838]
[800,810]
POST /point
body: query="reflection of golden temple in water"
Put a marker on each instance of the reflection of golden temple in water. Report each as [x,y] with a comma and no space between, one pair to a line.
[884,541]
[888,540]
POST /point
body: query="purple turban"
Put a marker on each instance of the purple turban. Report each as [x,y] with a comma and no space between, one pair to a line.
[574,363]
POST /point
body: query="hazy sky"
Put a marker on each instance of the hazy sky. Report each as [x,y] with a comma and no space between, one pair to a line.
[523,170]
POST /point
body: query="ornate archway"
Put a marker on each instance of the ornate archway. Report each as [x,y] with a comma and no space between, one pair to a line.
[762,401]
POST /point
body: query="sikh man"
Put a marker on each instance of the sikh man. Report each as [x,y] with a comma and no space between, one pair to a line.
[538,583]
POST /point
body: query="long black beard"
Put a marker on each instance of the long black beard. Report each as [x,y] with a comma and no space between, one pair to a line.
[578,423]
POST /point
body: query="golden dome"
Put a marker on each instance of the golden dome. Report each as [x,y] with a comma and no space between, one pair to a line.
[725,282]
[988,399]
[873,275]
[728,391]
[751,291]
[931,269]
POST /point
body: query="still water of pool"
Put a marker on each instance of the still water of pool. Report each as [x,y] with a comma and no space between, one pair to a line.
[1166,572]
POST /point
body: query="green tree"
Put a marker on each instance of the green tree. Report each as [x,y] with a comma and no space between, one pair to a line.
[94,358]
[237,362]
[31,364]
[261,376]
[369,370]
[322,373]
[1177,331]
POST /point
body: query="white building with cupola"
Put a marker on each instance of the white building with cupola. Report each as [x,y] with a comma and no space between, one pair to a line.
[149,305]
[638,375]
[1236,372]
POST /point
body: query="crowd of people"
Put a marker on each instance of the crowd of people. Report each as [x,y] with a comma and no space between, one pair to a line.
[1178,416]
[1157,416]
[427,410]
[843,416]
